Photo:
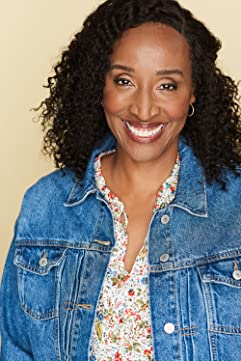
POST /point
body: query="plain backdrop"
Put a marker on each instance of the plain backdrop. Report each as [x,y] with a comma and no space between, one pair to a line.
[32,36]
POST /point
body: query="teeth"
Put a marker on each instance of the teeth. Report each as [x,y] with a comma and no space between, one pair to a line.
[144,132]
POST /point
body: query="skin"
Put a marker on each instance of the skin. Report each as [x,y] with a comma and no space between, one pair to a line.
[149,85]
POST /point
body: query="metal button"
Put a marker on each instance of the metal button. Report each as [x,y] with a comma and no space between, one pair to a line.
[164,257]
[237,275]
[43,261]
[165,219]
[169,328]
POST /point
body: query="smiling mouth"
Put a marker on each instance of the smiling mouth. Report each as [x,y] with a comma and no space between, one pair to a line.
[145,133]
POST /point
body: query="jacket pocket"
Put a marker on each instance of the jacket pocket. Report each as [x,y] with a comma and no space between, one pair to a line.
[222,293]
[38,279]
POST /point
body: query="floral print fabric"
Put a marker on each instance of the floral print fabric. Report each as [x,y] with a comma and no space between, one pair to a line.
[122,328]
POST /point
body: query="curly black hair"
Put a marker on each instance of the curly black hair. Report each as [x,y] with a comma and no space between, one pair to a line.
[72,116]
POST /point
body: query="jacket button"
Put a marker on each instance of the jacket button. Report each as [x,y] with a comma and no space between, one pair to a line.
[237,275]
[43,261]
[169,328]
[164,257]
[165,219]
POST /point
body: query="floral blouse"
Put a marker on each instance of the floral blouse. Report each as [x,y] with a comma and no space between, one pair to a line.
[122,327]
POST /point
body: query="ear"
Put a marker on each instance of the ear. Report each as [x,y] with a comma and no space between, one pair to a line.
[193,99]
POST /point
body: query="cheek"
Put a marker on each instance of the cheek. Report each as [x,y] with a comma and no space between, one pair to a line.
[178,110]
[113,101]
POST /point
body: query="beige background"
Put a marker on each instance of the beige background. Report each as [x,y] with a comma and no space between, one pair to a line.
[32,34]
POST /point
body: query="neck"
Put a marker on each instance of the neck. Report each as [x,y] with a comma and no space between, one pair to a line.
[124,175]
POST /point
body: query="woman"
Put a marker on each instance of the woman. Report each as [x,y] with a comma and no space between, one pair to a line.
[138,258]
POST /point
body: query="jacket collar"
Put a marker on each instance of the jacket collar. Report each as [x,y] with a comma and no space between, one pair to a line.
[86,186]
[191,189]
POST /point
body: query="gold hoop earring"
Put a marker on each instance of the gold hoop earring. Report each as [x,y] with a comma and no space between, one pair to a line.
[192,111]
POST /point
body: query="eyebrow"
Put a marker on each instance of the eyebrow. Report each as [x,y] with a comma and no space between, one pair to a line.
[159,72]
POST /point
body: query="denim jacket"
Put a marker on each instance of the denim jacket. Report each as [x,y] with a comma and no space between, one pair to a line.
[60,253]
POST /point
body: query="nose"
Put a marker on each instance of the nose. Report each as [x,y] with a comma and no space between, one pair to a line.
[144,106]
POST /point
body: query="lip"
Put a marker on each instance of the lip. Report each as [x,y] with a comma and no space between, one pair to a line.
[149,126]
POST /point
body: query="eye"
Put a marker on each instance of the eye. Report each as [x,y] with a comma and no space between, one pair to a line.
[123,82]
[168,86]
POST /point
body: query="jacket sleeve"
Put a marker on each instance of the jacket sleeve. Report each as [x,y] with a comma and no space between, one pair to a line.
[13,324]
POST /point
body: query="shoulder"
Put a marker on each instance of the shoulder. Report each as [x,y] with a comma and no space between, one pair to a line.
[49,208]
[43,205]
[232,179]
[228,199]
[50,188]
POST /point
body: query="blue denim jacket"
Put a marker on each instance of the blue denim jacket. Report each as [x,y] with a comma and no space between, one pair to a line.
[60,253]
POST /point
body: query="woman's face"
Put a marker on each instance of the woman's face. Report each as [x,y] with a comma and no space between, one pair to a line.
[147,92]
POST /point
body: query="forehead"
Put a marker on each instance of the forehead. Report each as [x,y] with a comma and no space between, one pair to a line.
[152,41]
